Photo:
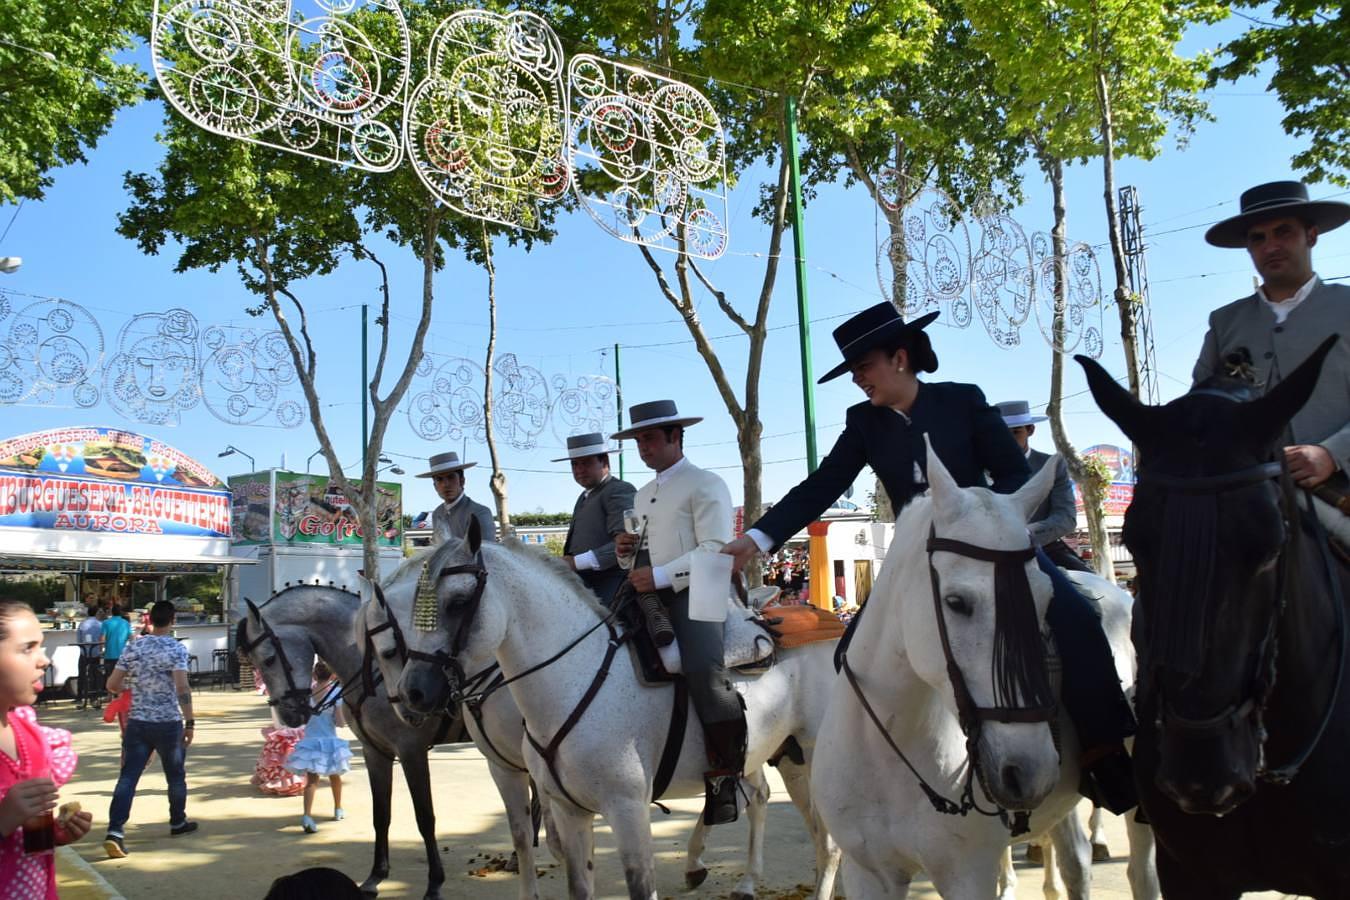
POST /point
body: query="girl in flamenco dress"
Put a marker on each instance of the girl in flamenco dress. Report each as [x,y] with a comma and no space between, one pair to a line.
[321,752]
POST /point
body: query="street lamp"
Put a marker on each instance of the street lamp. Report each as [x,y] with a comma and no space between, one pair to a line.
[231,449]
[10,264]
[392,468]
[311,459]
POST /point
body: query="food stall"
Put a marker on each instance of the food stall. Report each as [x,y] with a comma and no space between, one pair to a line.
[115,514]
[300,528]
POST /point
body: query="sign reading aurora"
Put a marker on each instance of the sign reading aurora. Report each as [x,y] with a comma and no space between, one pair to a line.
[660,144]
[322,78]
[485,128]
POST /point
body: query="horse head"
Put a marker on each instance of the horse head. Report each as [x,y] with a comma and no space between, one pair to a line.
[972,606]
[430,625]
[283,654]
[1208,529]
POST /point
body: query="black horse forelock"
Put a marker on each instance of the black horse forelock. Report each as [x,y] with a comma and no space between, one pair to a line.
[1183,583]
[1021,677]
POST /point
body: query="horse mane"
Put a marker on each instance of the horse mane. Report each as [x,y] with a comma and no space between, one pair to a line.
[537,558]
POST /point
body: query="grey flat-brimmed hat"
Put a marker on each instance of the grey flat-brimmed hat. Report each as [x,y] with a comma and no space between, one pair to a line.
[1017,412]
[582,445]
[1271,201]
[445,462]
[653,415]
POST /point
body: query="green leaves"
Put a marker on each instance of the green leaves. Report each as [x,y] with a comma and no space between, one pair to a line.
[1309,44]
[60,85]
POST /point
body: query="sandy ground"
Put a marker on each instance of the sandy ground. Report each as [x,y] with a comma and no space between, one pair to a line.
[247,839]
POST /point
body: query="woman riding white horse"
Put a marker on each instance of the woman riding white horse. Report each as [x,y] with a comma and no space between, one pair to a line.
[595,733]
[940,702]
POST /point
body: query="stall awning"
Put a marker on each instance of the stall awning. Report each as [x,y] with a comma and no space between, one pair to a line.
[43,562]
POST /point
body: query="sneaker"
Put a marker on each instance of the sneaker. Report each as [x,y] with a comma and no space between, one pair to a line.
[114,846]
[309,825]
[186,827]
[339,814]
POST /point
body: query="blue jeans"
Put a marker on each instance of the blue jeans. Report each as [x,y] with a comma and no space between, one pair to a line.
[140,740]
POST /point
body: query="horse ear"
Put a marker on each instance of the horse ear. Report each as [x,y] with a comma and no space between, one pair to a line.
[252,610]
[475,536]
[946,492]
[1032,494]
[1116,402]
[1267,416]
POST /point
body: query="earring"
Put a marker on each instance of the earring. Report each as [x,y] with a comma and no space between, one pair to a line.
[900,369]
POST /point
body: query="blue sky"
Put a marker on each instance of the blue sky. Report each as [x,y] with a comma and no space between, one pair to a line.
[563,307]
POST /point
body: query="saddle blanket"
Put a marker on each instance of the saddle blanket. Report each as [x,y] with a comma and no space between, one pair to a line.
[750,638]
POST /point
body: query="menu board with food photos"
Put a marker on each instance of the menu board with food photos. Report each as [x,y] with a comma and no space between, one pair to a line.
[107,480]
[291,508]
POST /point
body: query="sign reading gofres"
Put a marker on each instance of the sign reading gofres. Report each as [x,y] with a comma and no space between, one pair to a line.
[105,480]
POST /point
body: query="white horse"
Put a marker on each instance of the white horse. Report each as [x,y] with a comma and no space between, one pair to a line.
[888,825]
[285,634]
[595,733]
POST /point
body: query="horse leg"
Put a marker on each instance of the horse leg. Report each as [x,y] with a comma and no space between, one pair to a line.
[695,872]
[417,773]
[1052,882]
[756,810]
[797,780]
[1182,880]
[576,838]
[632,827]
[1007,876]
[1141,870]
[514,788]
[1074,852]
[1100,852]
[380,773]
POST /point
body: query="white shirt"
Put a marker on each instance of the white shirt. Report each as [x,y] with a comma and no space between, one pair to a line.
[1283,308]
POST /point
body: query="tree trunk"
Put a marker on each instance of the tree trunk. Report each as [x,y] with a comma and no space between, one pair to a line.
[498,481]
[1087,477]
[1124,299]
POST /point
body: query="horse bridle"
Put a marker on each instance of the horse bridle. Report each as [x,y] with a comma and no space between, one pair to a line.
[1263,677]
[293,692]
[970,715]
[447,662]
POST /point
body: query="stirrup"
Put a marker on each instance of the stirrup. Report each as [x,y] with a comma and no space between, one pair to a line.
[658,620]
[719,800]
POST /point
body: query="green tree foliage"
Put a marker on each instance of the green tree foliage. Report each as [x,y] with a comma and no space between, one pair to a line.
[60,85]
[1308,45]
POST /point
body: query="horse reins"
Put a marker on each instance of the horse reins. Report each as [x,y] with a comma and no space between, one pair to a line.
[970,715]
[1287,588]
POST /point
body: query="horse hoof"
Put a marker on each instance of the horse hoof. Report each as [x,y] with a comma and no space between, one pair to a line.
[741,895]
[370,890]
[513,864]
[1100,852]
[694,877]
[1035,856]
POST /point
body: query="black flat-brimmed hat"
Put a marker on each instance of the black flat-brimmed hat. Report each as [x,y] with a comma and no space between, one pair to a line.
[878,326]
[653,415]
[445,462]
[1271,201]
[583,445]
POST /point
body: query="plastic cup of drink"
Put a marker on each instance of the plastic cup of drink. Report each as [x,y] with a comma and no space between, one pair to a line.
[39,834]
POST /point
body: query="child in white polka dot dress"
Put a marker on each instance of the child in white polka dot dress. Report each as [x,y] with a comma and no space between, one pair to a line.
[34,763]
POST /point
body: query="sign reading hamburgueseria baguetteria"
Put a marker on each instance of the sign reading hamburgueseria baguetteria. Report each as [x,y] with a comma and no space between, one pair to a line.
[93,479]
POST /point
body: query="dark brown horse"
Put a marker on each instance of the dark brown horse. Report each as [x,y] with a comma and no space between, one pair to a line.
[1243,751]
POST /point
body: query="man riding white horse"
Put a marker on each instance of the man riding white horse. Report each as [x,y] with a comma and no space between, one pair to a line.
[682,509]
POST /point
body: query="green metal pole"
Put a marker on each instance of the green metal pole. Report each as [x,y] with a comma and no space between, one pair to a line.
[618,401]
[803,315]
[365,379]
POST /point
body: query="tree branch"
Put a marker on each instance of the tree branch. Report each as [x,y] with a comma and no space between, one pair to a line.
[721,298]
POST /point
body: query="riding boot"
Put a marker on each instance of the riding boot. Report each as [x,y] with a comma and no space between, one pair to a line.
[1108,779]
[726,754]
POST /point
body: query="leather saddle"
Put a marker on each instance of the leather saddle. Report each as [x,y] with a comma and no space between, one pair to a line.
[748,645]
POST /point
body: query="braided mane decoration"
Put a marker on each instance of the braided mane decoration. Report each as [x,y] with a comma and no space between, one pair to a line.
[426,610]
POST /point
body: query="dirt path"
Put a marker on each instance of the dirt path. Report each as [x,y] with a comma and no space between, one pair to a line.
[247,839]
